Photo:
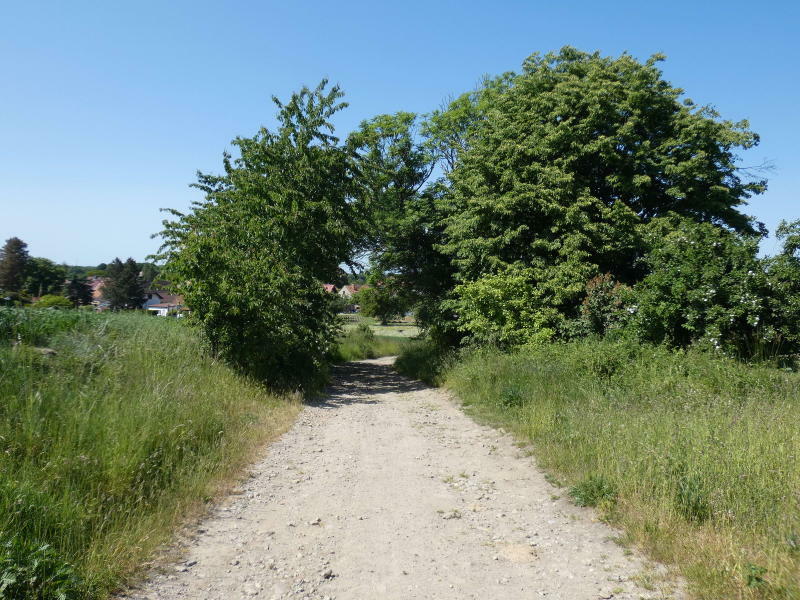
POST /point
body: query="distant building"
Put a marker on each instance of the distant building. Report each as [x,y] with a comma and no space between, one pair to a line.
[330,288]
[348,291]
[163,303]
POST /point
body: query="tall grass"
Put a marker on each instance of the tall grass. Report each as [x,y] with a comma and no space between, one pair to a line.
[695,456]
[360,342]
[110,442]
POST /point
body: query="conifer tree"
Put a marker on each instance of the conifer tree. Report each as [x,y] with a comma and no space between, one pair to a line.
[124,288]
[78,291]
[13,263]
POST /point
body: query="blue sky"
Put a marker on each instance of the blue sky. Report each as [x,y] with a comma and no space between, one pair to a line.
[108,109]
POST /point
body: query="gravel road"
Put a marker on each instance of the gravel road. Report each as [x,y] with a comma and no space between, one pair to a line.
[384,489]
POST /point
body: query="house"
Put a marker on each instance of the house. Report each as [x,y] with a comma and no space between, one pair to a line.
[96,284]
[155,297]
[166,304]
[330,288]
[348,291]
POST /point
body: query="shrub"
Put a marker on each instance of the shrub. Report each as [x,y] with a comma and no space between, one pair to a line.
[53,301]
[705,285]
[35,571]
[606,305]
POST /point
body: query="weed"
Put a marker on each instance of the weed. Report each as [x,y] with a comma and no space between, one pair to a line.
[690,499]
[593,491]
[754,575]
[29,570]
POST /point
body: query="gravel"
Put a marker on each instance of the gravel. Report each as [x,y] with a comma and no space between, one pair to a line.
[385,489]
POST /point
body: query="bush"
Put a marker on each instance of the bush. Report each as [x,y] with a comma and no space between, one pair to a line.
[53,301]
[35,571]
[705,285]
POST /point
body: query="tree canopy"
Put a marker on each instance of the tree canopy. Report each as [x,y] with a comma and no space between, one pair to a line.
[543,204]
[251,258]
[124,288]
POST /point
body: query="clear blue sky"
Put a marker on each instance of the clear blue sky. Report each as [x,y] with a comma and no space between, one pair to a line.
[107,109]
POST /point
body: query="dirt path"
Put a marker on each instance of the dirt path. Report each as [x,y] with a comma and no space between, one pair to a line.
[386,490]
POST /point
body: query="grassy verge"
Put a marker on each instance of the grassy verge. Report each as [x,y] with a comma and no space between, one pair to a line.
[401,328]
[695,456]
[111,442]
[360,342]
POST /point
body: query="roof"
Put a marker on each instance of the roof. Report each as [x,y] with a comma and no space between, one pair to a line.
[329,287]
[169,301]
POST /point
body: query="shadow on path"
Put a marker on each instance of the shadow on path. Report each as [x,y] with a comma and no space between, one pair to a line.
[362,382]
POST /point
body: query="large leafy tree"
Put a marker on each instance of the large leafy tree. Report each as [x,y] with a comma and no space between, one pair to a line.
[13,264]
[250,258]
[43,277]
[124,289]
[570,157]
[396,156]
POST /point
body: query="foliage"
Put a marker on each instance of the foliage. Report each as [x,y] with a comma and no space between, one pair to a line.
[693,445]
[43,277]
[53,301]
[35,571]
[124,288]
[251,258]
[507,308]
[78,291]
[384,299]
[395,163]
[783,281]
[607,306]
[575,152]
[13,264]
[149,272]
[108,444]
[705,285]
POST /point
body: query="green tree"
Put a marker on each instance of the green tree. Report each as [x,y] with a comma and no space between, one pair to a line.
[395,162]
[783,279]
[13,264]
[44,277]
[705,285]
[78,291]
[124,288]
[572,155]
[149,272]
[385,299]
[251,258]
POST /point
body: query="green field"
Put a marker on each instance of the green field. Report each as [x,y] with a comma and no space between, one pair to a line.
[401,328]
